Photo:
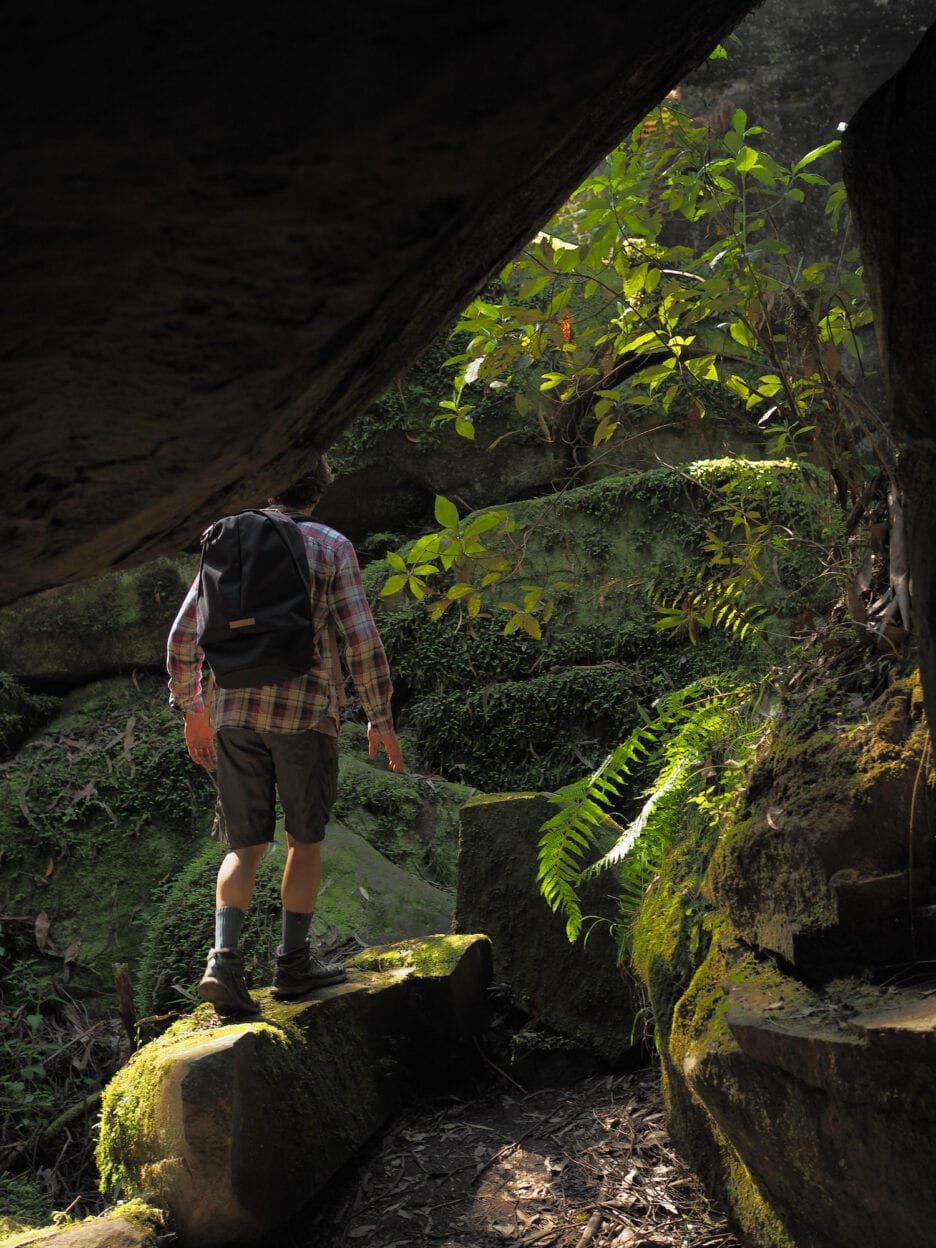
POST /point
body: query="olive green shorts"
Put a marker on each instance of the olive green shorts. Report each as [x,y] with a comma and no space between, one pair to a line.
[254,766]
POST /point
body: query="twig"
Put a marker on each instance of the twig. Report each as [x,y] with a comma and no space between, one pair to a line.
[503,1074]
[125,1001]
[69,1115]
[591,1229]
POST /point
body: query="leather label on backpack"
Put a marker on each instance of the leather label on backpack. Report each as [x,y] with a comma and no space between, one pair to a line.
[242,623]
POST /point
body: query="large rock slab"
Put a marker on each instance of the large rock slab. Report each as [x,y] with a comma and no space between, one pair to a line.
[233,1128]
[578,990]
[100,627]
[827,1100]
[131,1224]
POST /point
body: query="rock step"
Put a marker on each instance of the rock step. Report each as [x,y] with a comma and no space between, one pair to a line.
[883,920]
[231,1129]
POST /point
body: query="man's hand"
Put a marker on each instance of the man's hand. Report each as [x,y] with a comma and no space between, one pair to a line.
[390,743]
[199,739]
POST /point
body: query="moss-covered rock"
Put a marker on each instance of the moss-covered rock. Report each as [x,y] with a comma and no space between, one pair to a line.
[94,811]
[112,624]
[834,851]
[512,712]
[362,894]
[232,1128]
[22,712]
[410,818]
[130,1224]
[392,461]
[578,990]
[802,1106]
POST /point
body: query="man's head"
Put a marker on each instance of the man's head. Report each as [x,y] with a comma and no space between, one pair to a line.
[307,491]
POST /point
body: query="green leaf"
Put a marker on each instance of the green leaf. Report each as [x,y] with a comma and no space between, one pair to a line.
[446,513]
[815,154]
[743,334]
[460,590]
[393,585]
[483,523]
[396,561]
[552,380]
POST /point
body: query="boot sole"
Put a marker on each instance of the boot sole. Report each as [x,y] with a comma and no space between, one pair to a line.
[217,995]
[290,994]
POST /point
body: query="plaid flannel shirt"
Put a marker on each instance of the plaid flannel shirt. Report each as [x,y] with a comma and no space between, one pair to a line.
[303,702]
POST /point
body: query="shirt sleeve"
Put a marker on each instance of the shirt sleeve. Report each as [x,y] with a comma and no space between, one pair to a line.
[364,650]
[184,657]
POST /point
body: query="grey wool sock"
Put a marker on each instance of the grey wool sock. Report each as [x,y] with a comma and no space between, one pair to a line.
[295,931]
[228,923]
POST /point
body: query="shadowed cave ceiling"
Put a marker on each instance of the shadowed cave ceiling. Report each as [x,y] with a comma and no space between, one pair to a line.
[228,227]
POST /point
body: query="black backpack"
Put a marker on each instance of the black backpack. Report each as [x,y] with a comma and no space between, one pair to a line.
[254,604]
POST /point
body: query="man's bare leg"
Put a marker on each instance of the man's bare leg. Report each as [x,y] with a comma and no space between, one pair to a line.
[298,970]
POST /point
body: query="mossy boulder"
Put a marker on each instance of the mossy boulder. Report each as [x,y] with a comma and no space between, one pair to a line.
[513,712]
[819,1104]
[233,1128]
[392,461]
[833,853]
[804,1096]
[130,1224]
[363,894]
[410,818]
[578,990]
[94,811]
[109,625]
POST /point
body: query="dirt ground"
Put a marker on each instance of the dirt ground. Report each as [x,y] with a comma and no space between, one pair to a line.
[587,1165]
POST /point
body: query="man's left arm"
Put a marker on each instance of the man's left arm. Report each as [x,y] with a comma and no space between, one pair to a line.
[365,655]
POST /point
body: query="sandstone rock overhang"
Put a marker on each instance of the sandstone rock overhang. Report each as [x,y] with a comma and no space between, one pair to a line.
[229,226]
[233,1128]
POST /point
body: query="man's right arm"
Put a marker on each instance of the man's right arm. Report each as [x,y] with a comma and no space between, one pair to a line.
[184,659]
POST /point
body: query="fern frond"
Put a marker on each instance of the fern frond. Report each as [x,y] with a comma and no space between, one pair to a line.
[690,723]
[635,830]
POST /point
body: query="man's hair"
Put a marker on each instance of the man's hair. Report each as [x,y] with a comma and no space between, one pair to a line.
[308,489]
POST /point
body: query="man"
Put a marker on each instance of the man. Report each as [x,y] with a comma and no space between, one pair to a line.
[284,738]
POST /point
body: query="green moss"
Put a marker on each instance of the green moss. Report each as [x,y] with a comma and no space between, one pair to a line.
[509,712]
[25,1205]
[130,1102]
[429,956]
[672,932]
[544,731]
[410,406]
[754,1215]
[411,820]
[21,712]
[94,811]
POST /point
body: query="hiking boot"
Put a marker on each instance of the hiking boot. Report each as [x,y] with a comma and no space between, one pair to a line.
[300,971]
[223,984]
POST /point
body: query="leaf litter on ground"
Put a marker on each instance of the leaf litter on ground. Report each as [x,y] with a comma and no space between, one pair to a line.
[586,1166]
